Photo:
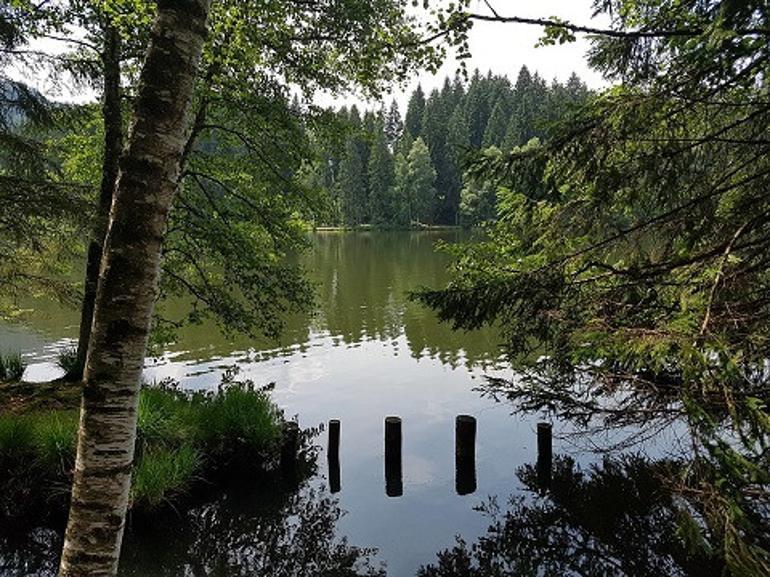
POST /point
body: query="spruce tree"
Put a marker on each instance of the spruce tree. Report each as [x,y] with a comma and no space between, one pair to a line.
[477,109]
[435,121]
[414,113]
[402,191]
[394,126]
[495,132]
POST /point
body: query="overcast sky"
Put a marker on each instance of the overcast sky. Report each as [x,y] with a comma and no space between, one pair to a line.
[504,48]
[501,48]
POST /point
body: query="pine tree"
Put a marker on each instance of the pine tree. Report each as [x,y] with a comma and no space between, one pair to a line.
[495,132]
[414,113]
[394,126]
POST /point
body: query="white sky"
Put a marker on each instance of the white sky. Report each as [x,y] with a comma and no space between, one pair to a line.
[504,47]
[500,47]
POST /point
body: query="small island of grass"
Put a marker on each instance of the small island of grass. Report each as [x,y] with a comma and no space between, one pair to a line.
[185,441]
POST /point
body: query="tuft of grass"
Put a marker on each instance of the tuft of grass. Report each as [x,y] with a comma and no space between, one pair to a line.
[43,440]
[163,473]
[236,416]
[11,367]
[161,415]
[68,361]
[55,438]
[17,437]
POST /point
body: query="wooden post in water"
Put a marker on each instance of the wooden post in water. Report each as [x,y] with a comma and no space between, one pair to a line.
[544,455]
[394,485]
[465,454]
[333,455]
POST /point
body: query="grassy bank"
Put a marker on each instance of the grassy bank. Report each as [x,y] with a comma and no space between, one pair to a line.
[184,439]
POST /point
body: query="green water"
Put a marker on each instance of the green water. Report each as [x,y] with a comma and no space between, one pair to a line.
[361,281]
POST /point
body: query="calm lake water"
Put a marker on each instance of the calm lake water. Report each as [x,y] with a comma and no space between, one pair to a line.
[365,353]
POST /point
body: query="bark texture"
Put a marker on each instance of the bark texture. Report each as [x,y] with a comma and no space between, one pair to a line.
[113,145]
[127,285]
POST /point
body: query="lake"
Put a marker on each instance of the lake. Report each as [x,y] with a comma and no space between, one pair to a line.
[365,353]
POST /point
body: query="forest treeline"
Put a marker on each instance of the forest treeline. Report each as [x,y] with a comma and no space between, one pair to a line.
[393,170]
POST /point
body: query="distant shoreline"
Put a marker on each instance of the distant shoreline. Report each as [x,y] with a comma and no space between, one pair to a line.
[369,227]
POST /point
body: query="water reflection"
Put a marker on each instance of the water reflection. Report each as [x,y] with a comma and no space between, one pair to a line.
[362,282]
[614,519]
[29,553]
[249,530]
[366,353]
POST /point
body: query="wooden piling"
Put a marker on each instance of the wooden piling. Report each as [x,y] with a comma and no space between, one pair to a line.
[333,448]
[394,485]
[333,454]
[544,455]
[465,454]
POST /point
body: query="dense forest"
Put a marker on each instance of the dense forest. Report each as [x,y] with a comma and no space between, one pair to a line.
[390,170]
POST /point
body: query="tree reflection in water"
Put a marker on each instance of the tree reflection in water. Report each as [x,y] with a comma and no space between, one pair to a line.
[276,530]
[614,519]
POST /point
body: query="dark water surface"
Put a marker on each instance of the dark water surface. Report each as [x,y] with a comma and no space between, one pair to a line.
[364,354]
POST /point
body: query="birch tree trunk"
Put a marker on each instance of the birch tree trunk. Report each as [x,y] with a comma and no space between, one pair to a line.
[127,286]
[113,145]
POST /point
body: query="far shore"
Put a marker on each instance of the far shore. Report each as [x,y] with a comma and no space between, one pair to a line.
[371,227]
